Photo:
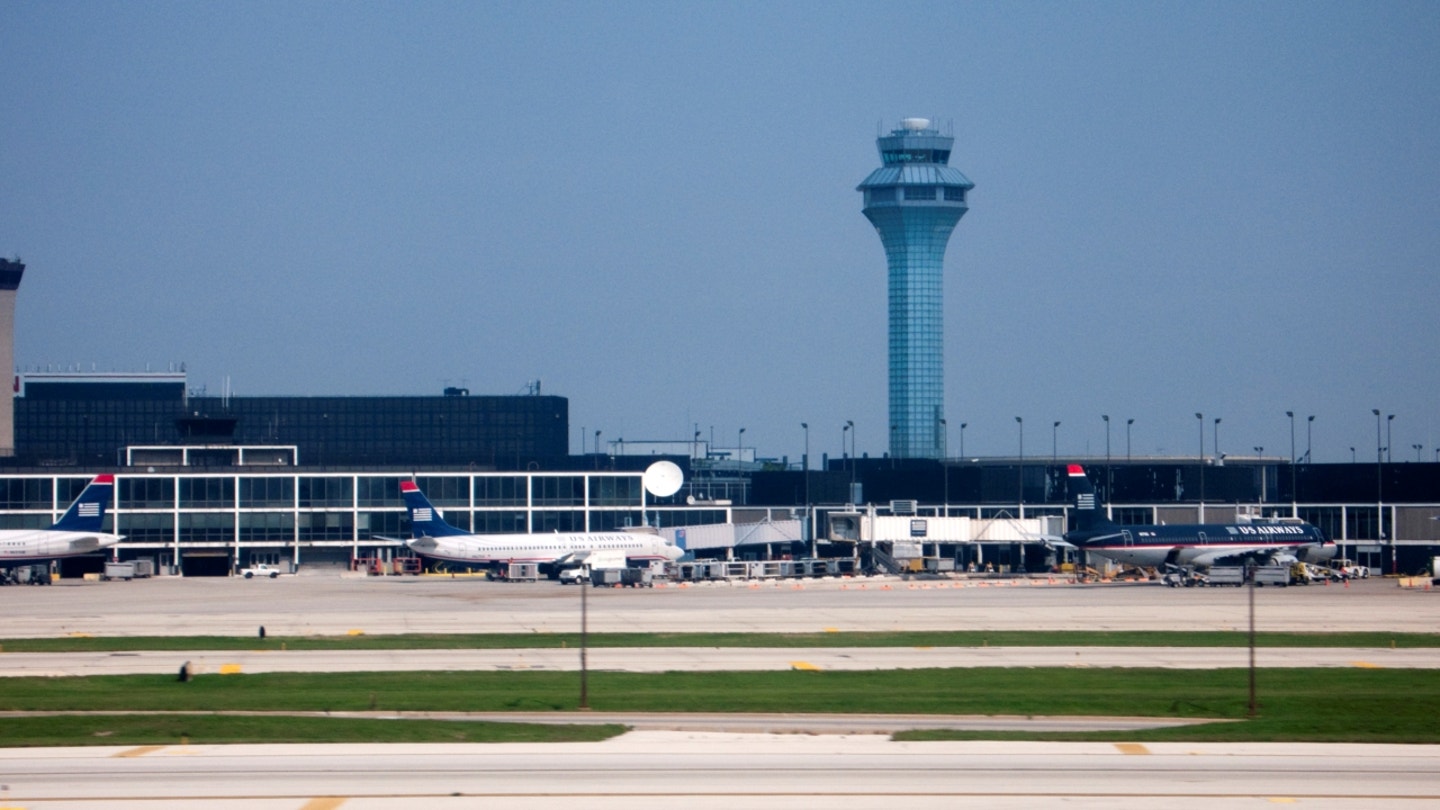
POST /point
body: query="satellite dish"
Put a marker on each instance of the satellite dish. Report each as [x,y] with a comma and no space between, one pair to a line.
[663,479]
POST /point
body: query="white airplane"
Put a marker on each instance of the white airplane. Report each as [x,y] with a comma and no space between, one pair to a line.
[436,539]
[78,531]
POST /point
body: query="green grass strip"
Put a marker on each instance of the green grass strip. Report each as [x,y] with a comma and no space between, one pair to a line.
[972,638]
[1312,705]
[75,730]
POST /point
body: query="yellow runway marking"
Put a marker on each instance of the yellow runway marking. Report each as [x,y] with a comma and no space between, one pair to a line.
[1365,665]
[229,669]
[139,752]
[323,803]
[1132,749]
[804,666]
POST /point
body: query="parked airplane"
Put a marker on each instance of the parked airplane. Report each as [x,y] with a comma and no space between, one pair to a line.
[78,531]
[436,539]
[1196,544]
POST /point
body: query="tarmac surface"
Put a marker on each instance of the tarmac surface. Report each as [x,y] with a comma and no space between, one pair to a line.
[329,604]
[702,762]
[651,770]
[700,659]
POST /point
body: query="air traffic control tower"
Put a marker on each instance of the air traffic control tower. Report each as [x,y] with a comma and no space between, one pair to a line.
[914,201]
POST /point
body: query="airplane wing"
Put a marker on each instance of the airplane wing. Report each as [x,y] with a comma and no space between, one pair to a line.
[1096,539]
[1260,555]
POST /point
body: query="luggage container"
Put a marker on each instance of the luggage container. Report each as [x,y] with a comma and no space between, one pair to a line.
[1226,575]
[1272,575]
[606,577]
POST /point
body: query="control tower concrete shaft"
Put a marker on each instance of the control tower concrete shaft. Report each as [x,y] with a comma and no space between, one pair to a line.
[914,201]
[10,273]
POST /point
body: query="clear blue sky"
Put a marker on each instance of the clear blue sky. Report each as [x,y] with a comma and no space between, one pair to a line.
[1231,208]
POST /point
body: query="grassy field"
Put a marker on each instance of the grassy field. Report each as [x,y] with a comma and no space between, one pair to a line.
[71,730]
[1317,705]
[975,638]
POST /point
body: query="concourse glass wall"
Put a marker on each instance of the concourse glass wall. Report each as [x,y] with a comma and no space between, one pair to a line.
[209,523]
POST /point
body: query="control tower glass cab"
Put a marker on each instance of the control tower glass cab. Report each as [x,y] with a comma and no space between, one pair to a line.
[914,201]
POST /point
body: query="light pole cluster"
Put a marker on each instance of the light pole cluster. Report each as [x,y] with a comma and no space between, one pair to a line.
[1384,428]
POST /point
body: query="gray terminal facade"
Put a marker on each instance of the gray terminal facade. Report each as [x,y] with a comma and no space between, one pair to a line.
[98,421]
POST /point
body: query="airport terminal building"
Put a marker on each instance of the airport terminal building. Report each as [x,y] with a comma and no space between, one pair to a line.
[205,485]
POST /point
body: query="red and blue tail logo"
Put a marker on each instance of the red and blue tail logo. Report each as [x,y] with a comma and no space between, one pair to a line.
[425,519]
[87,513]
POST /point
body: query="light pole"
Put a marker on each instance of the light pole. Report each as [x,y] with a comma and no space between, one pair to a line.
[597,449]
[849,426]
[945,465]
[739,451]
[1380,487]
[1021,423]
[1128,423]
[1020,500]
[963,425]
[1309,423]
[1259,452]
[1218,454]
[584,647]
[1294,507]
[1106,418]
[1054,443]
[1200,417]
[1389,439]
[806,459]
[1250,574]
[1417,447]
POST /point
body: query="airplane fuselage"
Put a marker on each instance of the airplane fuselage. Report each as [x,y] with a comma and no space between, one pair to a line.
[1204,544]
[1195,544]
[485,549]
[21,546]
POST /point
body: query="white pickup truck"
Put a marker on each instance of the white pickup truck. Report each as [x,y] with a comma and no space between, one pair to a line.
[1349,569]
[260,570]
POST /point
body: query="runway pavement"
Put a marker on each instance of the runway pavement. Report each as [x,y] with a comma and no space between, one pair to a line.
[328,604]
[702,659]
[650,770]
[825,764]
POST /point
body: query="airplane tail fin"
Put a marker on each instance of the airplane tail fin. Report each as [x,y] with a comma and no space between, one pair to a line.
[425,519]
[1088,516]
[87,513]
